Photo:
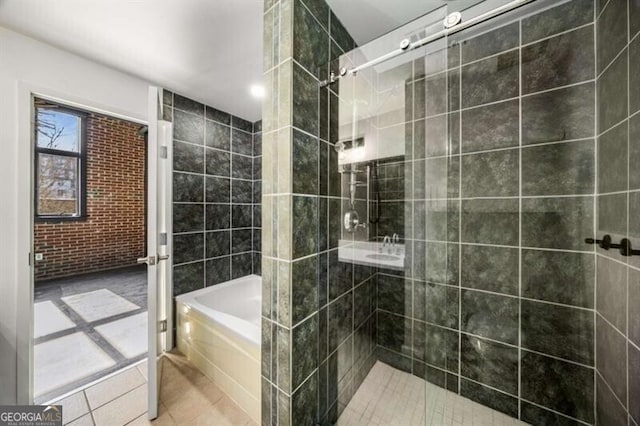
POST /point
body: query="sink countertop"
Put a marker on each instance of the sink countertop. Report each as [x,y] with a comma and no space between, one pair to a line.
[365,253]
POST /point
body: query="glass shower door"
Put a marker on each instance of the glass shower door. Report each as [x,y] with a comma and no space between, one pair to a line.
[471,162]
[385,112]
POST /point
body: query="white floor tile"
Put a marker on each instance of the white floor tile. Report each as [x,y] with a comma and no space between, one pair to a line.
[123,409]
[73,407]
[48,319]
[128,335]
[392,397]
[65,360]
[85,420]
[163,419]
[111,388]
[99,304]
[143,369]
[196,397]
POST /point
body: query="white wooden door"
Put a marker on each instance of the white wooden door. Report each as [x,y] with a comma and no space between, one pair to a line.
[158,259]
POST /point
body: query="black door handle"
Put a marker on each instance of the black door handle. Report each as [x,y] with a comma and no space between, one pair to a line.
[626,249]
[606,244]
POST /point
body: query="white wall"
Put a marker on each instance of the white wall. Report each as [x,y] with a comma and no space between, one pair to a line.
[27,62]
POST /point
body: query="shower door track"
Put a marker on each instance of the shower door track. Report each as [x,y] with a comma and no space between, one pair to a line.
[406,46]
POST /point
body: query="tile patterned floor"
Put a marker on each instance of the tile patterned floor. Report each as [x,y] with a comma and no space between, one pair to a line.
[116,400]
[128,335]
[387,397]
[98,304]
[392,397]
[65,361]
[87,327]
[187,397]
[48,319]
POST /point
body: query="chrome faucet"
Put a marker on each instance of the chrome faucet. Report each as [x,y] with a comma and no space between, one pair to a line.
[386,241]
[395,240]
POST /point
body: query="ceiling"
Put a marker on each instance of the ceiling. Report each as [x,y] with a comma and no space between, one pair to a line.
[208,50]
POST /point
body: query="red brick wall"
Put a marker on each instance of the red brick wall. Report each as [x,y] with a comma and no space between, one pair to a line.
[113,234]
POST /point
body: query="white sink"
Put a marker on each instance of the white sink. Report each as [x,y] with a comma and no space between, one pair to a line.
[371,254]
[383,257]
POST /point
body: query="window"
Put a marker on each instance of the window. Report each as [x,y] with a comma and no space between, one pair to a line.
[60,159]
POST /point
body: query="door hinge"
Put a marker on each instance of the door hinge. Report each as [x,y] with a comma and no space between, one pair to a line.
[164,152]
[162,326]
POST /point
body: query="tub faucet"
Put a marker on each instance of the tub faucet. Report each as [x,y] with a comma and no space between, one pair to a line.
[386,241]
[395,240]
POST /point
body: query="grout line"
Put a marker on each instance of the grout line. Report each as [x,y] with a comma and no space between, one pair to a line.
[635,37]
[184,172]
[466,333]
[460,146]
[514,98]
[590,81]
[613,126]
[628,206]
[616,329]
[599,15]
[435,201]
[505,148]
[556,412]
[520,222]
[304,381]
[507,246]
[490,387]
[93,383]
[93,419]
[122,395]
[212,148]
[547,38]
[86,399]
[612,392]
[204,117]
[504,295]
[491,56]
[623,192]
[610,64]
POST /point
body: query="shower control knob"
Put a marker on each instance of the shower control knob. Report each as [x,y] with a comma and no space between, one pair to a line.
[351,220]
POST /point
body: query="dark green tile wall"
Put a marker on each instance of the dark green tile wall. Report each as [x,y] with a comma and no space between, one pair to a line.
[322,309]
[216,194]
[497,301]
[514,178]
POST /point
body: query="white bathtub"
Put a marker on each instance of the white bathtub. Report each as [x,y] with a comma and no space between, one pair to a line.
[218,329]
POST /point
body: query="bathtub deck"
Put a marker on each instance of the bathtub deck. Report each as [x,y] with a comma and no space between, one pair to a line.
[87,327]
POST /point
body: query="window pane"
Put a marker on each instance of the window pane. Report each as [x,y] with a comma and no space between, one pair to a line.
[57,130]
[58,185]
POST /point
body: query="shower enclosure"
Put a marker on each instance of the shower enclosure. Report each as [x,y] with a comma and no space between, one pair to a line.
[484,198]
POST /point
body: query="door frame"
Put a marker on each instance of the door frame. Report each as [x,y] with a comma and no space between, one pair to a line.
[25,207]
